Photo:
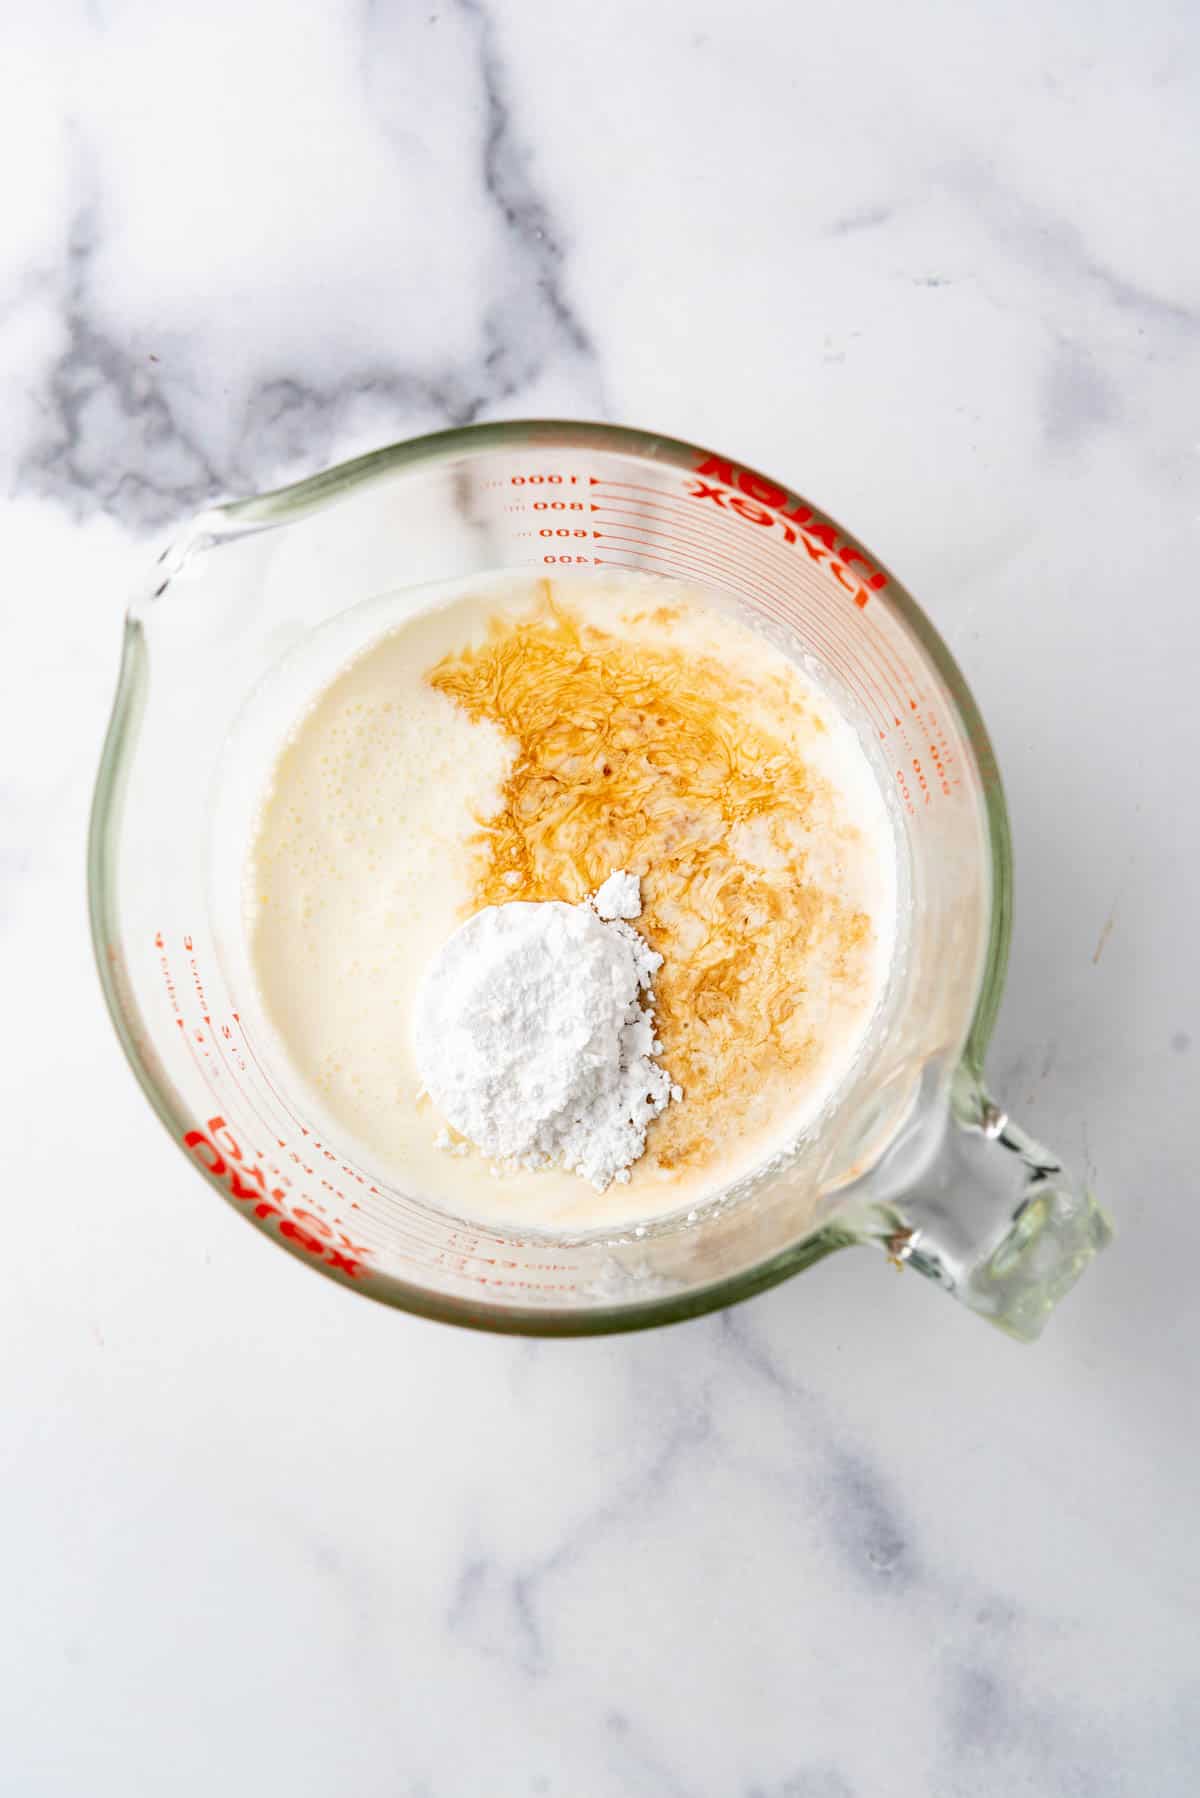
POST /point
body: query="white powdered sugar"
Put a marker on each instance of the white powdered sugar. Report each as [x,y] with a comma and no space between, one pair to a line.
[534,1033]
[619,897]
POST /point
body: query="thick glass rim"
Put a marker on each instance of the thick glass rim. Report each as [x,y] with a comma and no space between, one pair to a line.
[281,505]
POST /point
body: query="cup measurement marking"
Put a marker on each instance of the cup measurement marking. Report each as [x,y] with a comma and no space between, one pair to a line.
[895,681]
[736,584]
[216,1075]
[769,552]
[823,627]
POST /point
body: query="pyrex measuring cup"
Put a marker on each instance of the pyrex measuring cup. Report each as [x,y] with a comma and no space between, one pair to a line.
[912,1156]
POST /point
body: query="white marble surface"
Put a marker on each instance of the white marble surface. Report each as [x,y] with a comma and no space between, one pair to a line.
[933,265]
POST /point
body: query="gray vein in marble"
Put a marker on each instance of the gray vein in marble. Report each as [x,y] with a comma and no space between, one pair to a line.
[864,218]
[1057,248]
[532,321]
[1077,397]
[597,1525]
[508,177]
[112,440]
[639,1760]
[500,1609]
[100,396]
[998,1723]
[862,1517]
[865,1521]
[979,1716]
[995,1731]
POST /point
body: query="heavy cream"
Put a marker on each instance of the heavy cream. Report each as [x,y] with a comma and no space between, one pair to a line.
[521,741]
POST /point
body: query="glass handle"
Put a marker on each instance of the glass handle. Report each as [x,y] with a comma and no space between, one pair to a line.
[993,1217]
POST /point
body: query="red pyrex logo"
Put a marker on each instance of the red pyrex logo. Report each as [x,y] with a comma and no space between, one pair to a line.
[762,503]
[217,1149]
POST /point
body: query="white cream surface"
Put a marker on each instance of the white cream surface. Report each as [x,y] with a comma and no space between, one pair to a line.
[362,866]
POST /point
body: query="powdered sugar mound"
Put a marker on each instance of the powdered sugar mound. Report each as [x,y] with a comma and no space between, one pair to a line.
[619,897]
[532,1039]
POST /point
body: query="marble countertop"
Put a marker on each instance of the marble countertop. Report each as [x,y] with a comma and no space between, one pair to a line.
[934,266]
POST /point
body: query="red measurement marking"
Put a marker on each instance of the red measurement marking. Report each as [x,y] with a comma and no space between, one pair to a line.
[168,978]
[243,1086]
[823,623]
[783,567]
[357,1173]
[777,499]
[270,1084]
[212,1068]
[921,780]
[547,480]
[634,486]
[902,676]
[743,547]
[248,1168]
[816,536]
[799,525]
[222,1157]
[940,766]
[361,1175]
[777,608]
[944,744]
[740,557]
[822,629]
[783,610]
[208,1073]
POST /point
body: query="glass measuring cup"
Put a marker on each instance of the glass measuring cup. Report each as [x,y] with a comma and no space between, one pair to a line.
[912,1155]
